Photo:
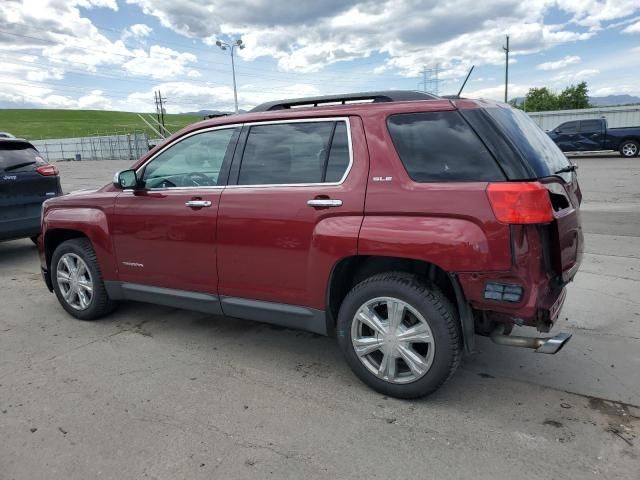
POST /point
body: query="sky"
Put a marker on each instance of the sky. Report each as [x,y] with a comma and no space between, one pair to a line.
[113,54]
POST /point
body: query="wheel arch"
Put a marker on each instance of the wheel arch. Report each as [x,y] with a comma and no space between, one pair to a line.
[61,224]
[349,271]
[634,139]
[54,237]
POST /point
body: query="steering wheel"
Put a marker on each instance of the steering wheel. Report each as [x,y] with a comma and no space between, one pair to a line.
[197,179]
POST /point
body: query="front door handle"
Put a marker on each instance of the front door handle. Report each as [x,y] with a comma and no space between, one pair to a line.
[198,203]
[324,202]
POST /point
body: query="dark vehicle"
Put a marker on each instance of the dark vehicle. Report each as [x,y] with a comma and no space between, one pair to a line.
[594,135]
[403,226]
[26,180]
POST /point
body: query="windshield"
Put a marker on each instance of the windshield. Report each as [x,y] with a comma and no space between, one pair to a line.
[537,148]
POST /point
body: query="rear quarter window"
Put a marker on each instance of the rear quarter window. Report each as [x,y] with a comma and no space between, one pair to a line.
[537,149]
[441,146]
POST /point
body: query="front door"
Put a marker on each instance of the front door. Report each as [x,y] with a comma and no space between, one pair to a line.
[295,209]
[567,137]
[164,233]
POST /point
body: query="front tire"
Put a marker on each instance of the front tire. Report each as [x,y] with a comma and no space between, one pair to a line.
[400,335]
[629,148]
[77,280]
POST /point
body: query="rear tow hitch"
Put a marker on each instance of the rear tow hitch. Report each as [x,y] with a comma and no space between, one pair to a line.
[548,345]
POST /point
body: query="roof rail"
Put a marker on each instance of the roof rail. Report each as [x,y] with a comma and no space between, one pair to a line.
[343,99]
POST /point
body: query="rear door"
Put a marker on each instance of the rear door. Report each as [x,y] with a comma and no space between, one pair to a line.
[26,180]
[590,135]
[295,209]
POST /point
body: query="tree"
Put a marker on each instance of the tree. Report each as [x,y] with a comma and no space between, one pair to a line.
[543,99]
[540,100]
[574,97]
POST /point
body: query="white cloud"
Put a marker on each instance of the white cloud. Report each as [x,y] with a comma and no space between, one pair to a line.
[497,92]
[633,28]
[559,64]
[307,36]
[138,31]
[160,62]
[302,37]
[580,75]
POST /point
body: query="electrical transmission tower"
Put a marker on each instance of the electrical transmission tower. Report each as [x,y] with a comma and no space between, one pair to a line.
[159,99]
[430,79]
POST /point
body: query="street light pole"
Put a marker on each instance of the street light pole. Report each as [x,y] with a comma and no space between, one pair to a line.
[223,46]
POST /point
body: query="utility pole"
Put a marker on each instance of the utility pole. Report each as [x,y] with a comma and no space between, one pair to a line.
[160,99]
[155,99]
[506,71]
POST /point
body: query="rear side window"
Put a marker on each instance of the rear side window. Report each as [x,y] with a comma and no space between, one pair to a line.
[590,126]
[440,146]
[295,153]
[15,156]
[568,127]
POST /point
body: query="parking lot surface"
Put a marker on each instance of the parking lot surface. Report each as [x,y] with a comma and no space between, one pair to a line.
[154,392]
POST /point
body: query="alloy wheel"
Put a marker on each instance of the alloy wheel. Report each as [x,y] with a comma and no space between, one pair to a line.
[392,340]
[629,149]
[75,281]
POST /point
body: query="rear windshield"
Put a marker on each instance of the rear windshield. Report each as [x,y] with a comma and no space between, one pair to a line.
[15,156]
[536,147]
[441,147]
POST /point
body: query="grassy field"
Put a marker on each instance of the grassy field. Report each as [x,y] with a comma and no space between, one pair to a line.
[39,124]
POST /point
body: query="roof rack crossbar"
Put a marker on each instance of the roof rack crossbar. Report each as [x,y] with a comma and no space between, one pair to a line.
[373,97]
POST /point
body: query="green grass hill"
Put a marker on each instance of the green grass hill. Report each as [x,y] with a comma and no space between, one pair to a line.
[36,124]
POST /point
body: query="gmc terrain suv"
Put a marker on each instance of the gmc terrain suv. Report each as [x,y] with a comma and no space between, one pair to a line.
[402,223]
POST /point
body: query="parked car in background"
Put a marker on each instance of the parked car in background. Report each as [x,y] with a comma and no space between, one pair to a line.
[6,135]
[399,222]
[26,180]
[594,135]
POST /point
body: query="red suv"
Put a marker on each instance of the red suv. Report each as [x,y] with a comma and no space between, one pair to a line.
[402,223]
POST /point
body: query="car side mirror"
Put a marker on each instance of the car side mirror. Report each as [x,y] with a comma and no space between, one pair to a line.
[557,130]
[125,179]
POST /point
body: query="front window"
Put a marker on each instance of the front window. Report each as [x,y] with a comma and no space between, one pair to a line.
[195,161]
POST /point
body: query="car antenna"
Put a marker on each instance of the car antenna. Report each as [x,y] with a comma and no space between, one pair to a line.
[465,81]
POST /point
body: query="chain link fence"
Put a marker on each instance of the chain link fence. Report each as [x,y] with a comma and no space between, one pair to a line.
[128,146]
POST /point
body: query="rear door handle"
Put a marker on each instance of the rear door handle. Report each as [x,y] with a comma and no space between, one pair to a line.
[324,202]
[198,203]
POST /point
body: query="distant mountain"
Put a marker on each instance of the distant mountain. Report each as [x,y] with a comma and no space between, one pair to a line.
[610,100]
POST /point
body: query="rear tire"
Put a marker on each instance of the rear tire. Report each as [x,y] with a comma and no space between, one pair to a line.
[629,148]
[77,280]
[405,355]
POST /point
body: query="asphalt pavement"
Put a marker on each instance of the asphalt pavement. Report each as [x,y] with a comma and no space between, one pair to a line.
[161,393]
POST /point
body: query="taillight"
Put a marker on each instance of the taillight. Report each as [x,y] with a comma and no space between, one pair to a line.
[47,170]
[520,202]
